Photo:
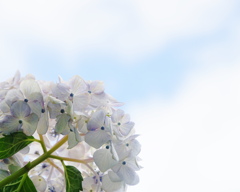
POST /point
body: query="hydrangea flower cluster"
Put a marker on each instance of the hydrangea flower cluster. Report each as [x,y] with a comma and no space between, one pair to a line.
[100,138]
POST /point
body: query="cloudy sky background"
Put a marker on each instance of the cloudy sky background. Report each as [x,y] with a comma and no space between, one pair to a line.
[175,64]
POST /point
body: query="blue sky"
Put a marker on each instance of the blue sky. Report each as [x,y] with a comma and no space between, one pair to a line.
[174,64]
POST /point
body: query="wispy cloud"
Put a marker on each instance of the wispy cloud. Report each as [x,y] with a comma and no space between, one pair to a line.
[127,29]
[191,143]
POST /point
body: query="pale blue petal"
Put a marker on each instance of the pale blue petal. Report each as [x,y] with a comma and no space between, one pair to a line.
[117,115]
[80,102]
[9,124]
[123,150]
[97,138]
[96,121]
[97,100]
[103,159]
[61,91]
[30,124]
[36,107]
[77,85]
[12,96]
[132,163]
[54,109]
[82,124]
[43,123]
[135,148]
[96,87]
[20,109]
[129,176]
[125,118]
[114,177]
[114,152]
[110,186]
[126,128]
[4,107]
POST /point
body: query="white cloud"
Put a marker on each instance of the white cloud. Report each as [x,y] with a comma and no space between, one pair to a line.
[224,51]
[11,59]
[129,29]
[191,143]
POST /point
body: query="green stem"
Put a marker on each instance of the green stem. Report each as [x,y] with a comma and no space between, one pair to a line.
[32,164]
[84,161]
[42,143]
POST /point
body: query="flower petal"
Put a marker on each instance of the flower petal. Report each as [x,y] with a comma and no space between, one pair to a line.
[97,138]
[12,96]
[4,107]
[110,186]
[54,109]
[128,175]
[61,91]
[125,118]
[20,109]
[82,124]
[135,147]
[62,123]
[103,159]
[96,87]
[54,100]
[73,137]
[80,102]
[30,124]
[36,108]
[39,183]
[77,85]
[114,177]
[114,152]
[36,103]
[72,142]
[43,123]
[9,124]
[126,128]
[96,121]
[16,78]
[117,115]
[29,86]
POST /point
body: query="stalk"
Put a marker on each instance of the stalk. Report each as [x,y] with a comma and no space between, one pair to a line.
[32,164]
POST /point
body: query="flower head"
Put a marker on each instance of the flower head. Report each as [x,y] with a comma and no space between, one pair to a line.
[99,138]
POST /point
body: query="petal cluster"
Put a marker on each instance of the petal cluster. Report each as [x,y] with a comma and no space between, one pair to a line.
[98,132]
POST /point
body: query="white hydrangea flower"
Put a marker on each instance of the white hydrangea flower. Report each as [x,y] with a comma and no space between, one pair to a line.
[98,131]
[126,170]
[121,123]
[75,90]
[104,159]
[101,141]
[20,118]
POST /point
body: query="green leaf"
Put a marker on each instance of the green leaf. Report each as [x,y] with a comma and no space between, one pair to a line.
[11,144]
[22,184]
[3,174]
[73,179]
